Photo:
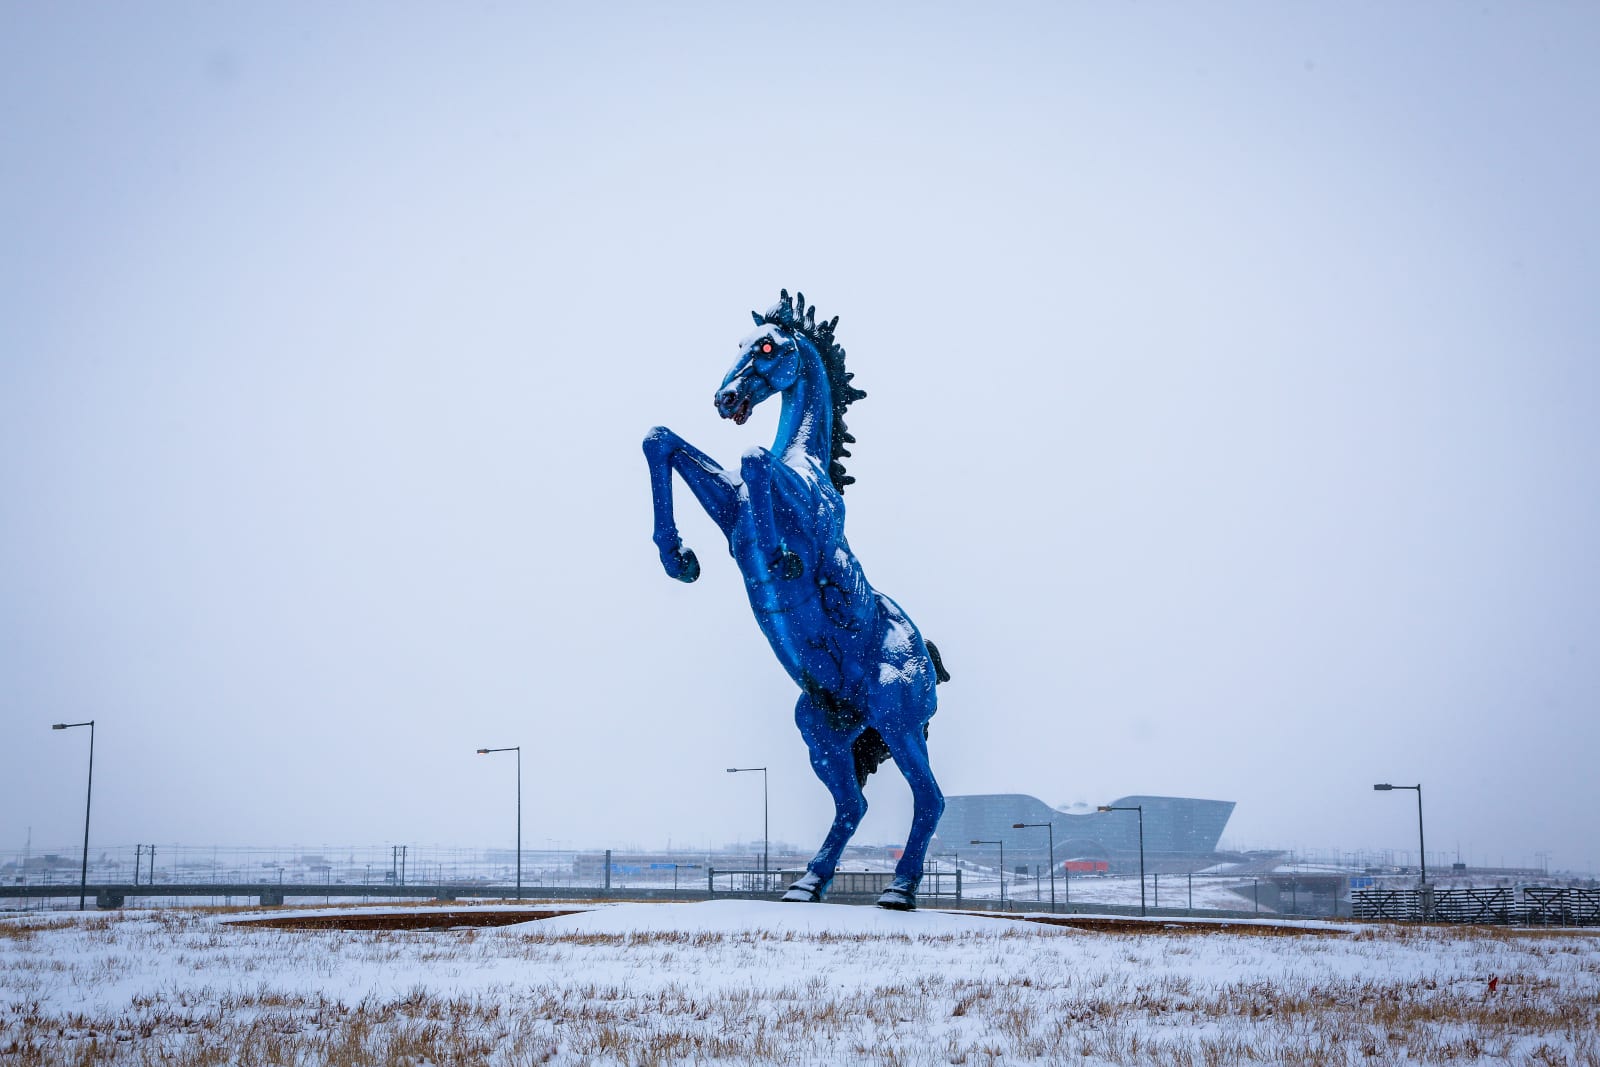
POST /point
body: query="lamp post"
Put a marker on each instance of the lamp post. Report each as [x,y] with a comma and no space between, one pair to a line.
[1051,827]
[765,880]
[88,801]
[1002,844]
[518,750]
[1140,809]
[1384,787]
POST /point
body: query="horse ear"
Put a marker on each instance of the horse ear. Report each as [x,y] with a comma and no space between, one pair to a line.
[757,316]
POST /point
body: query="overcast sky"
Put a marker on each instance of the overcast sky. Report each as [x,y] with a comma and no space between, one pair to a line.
[1232,427]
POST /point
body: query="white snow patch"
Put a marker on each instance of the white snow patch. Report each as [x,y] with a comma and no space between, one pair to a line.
[777,919]
[909,672]
[897,637]
[363,911]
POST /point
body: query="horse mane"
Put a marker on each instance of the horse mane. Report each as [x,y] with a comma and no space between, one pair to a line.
[795,317]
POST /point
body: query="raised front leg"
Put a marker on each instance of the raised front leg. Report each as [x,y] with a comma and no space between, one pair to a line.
[666,452]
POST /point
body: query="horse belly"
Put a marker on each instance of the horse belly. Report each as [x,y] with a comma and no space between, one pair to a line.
[818,654]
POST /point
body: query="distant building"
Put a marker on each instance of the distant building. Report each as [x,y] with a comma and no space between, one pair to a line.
[1178,831]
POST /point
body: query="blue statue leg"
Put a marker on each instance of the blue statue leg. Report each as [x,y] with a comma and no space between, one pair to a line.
[910,750]
[717,493]
[834,764]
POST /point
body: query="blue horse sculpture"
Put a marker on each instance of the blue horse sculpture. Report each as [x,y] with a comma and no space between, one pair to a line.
[866,675]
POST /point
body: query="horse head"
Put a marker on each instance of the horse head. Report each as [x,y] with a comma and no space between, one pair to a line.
[768,363]
[771,360]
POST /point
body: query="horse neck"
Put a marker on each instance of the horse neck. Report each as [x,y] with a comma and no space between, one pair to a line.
[805,428]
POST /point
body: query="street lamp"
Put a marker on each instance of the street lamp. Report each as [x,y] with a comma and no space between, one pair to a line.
[518,750]
[83,877]
[765,881]
[1002,845]
[1384,787]
[1140,809]
[1051,827]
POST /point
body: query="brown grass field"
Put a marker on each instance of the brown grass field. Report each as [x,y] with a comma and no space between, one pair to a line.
[177,987]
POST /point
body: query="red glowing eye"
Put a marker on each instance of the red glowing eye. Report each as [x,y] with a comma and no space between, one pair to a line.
[766,349]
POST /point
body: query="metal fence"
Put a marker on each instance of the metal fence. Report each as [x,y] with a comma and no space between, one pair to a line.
[937,885]
[40,877]
[368,865]
[1505,906]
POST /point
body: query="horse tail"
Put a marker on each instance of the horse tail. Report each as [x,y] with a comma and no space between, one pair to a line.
[939,673]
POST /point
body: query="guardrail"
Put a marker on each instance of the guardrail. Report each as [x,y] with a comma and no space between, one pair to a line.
[269,894]
[1524,906]
[847,886]
[1538,906]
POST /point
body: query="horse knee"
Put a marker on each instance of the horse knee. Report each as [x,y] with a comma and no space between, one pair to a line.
[755,462]
[928,800]
[852,810]
[658,441]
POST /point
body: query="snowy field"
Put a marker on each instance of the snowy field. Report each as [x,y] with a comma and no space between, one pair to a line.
[739,982]
[1174,891]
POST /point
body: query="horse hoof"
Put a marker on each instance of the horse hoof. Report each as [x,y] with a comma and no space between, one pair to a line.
[900,896]
[685,566]
[807,889]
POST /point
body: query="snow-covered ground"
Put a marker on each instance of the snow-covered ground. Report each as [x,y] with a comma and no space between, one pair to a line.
[758,982]
[1168,891]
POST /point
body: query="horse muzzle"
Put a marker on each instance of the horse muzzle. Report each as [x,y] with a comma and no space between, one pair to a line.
[730,405]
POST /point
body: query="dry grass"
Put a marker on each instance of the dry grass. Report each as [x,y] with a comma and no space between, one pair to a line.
[177,988]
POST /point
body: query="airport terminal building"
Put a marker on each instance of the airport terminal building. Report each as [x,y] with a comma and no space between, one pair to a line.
[1179,832]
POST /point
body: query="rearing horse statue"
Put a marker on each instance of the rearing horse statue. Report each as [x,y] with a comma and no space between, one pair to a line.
[865,673]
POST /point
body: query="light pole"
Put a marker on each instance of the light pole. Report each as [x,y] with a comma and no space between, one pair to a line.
[765,881]
[1384,787]
[518,750]
[1140,809]
[88,801]
[1052,828]
[1002,845]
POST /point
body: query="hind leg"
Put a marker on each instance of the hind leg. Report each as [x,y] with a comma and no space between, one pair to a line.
[910,750]
[834,764]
